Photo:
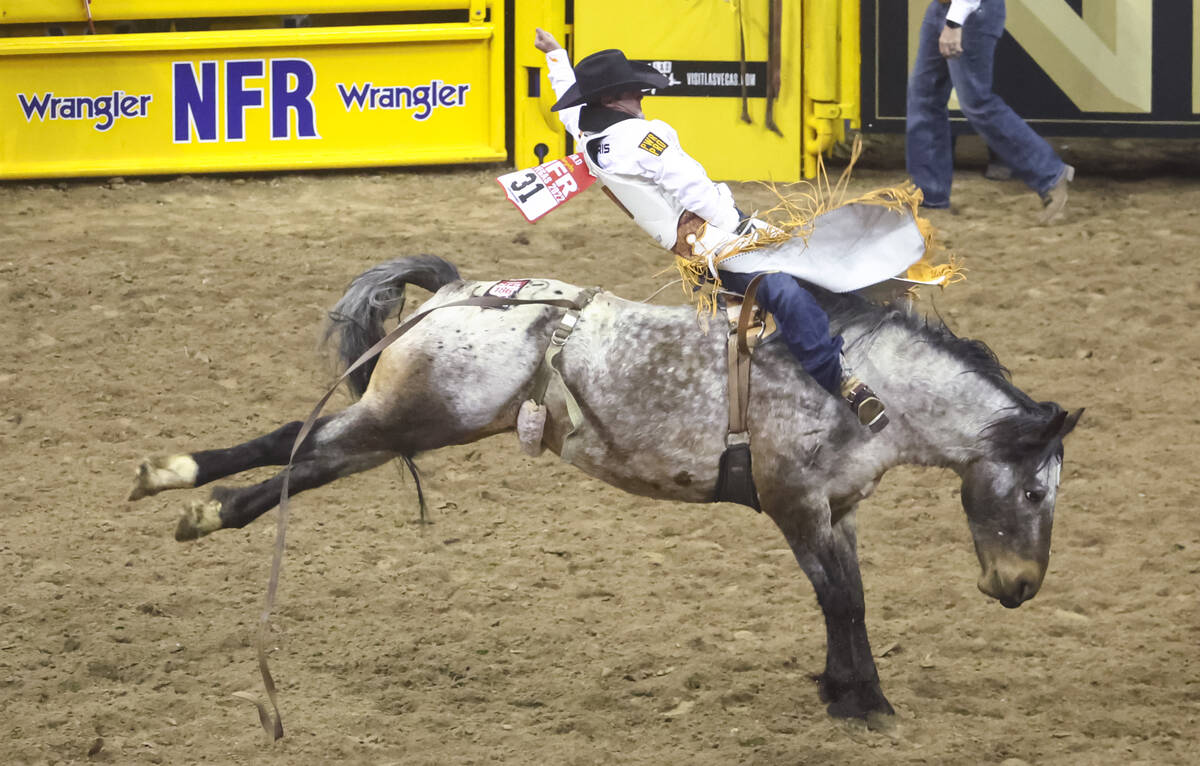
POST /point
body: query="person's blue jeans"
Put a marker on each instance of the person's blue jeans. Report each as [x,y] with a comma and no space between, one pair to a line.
[802,323]
[929,152]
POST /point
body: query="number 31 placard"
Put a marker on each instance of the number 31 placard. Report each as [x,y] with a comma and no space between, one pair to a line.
[538,190]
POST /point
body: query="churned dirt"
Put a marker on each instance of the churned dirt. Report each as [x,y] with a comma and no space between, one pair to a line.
[545,618]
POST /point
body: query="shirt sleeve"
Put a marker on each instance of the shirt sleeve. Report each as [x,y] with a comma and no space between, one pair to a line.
[682,177]
[562,77]
[961,9]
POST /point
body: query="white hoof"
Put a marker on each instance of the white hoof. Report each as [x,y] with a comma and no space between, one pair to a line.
[201,518]
[158,473]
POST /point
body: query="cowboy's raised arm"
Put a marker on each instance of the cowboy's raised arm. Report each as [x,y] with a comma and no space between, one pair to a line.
[561,74]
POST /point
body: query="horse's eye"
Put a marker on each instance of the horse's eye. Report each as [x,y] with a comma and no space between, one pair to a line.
[1035,495]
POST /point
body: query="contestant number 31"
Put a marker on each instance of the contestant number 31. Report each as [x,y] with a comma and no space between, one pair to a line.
[522,183]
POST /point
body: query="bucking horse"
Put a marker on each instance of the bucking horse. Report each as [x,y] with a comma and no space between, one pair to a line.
[642,404]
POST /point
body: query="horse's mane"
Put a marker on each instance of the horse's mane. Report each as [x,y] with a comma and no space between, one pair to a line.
[1019,433]
[846,309]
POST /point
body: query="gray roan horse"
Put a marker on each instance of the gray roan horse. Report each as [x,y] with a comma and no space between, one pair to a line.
[652,389]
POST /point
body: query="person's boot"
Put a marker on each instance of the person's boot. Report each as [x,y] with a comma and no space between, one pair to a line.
[1054,201]
[862,400]
[997,171]
[865,404]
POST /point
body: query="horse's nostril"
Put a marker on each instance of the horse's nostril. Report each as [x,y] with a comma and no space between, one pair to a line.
[1012,593]
[1027,590]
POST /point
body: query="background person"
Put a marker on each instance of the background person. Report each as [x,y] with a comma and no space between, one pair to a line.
[957,50]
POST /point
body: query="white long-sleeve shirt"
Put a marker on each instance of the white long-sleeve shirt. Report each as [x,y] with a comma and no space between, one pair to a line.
[648,149]
[961,9]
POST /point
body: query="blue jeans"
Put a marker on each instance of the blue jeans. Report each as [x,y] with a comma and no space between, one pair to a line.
[929,152]
[802,323]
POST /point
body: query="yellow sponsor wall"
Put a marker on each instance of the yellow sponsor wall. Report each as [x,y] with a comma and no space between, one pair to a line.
[220,85]
[710,127]
[537,132]
[253,99]
[26,11]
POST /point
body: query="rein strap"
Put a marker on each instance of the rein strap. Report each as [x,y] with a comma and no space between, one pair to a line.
[273,724]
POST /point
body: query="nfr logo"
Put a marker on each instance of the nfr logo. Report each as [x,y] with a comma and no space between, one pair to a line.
[197,101]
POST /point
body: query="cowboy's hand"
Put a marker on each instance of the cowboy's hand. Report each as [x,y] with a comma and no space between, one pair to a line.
[950,43]
[544,41]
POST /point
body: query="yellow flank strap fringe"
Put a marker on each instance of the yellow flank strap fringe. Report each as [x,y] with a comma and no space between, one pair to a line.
[795,216]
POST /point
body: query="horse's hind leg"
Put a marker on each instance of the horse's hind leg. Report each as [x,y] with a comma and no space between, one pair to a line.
[233,508]
[156,474]
[354,440]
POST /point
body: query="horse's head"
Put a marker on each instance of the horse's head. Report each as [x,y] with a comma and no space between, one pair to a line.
[1009,493]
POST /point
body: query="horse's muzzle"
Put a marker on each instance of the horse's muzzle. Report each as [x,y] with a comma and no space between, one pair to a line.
[1010,580]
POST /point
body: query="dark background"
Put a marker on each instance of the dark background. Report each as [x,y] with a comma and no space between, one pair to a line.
[1023,84]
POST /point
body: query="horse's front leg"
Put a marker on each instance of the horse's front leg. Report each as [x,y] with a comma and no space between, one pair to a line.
[828,555]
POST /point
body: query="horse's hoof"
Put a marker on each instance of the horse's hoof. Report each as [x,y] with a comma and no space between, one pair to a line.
[873,713]
[201,518]
[156,474]
[855,699]
[879,720]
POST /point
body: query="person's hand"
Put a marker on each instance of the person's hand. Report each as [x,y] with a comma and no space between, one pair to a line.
[544,41]
[950,43]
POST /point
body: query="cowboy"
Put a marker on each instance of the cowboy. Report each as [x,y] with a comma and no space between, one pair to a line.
[670,196]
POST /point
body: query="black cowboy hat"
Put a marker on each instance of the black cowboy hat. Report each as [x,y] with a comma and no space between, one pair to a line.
[608,72]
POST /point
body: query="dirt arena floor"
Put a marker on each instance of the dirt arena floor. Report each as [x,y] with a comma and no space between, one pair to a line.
[545,618]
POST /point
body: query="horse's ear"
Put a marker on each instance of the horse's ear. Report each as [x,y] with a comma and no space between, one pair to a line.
[1060,425]
[1054,428]
[1068,424]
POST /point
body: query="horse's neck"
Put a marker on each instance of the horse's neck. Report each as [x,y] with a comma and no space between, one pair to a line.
[944,407]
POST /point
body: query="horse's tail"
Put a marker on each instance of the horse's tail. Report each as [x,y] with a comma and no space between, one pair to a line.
[356,322]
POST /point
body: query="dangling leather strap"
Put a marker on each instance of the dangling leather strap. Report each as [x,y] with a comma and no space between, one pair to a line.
[739,367]
[548,373]
[87,7]
[273,724]
[735,481]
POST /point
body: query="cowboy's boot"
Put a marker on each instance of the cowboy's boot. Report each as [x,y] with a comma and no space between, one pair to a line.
[863,401]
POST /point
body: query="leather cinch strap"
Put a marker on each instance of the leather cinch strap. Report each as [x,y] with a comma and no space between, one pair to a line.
[739,366]
[273,725]
[548,373]
[735,481]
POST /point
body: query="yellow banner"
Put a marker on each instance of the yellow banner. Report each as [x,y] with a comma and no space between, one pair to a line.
[24,11]
[698,46]
[252,100]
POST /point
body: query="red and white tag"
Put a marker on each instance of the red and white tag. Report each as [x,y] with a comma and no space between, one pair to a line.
[538,190]
[507,288]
